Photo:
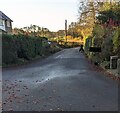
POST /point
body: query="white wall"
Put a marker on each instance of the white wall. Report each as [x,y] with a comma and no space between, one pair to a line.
[2,24]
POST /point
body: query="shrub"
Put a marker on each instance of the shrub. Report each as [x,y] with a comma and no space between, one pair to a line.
[26,47]
[9,49]
[21,46]
[38,46]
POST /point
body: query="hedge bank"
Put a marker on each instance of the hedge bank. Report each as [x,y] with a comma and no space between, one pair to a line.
[15,47]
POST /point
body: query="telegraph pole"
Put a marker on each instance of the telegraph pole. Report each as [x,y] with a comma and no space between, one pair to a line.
[66,31]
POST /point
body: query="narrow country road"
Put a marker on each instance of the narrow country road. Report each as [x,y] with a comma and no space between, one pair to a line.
[64,81]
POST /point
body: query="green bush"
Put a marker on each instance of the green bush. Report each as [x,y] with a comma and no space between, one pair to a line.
[26,48]
[21,46]
[9,49]
[38,46]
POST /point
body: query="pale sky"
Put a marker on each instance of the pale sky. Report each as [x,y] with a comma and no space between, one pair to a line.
[44,13]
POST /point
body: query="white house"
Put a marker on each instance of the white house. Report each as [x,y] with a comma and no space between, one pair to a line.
[5,23]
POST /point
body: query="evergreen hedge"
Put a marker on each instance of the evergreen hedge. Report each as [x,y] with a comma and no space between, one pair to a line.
[21,46]
[9,49]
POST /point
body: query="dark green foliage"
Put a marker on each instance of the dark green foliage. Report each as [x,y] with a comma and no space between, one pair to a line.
[38,46]
[21,46]
[9,49]
[106,15]
[27,47]
[113,13]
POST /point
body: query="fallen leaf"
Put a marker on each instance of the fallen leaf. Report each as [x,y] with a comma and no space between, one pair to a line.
[51,109]
[58,108]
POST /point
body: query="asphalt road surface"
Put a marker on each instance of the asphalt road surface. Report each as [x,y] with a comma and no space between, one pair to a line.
[64,81]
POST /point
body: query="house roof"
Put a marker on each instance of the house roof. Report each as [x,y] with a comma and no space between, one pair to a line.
[3,16]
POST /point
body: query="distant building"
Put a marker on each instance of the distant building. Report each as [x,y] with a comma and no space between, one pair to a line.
[5,23]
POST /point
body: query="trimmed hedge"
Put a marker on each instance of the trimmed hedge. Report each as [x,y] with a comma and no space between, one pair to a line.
[21,46]
[9,49]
